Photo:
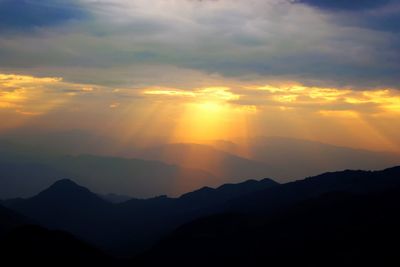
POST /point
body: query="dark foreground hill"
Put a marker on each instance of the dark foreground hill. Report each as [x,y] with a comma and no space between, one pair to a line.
[336,229]
[10,220]
[35,246]
[24,244]
[322,217]
[128,227]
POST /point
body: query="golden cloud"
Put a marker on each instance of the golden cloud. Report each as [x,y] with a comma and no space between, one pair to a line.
[31,96]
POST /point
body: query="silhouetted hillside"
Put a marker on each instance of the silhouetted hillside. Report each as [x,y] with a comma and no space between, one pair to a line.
[70,207]
[275,198]
[36,246]
[214,197]
[126,227]
[335,229]
[115,198]
[10,220]
[130,226]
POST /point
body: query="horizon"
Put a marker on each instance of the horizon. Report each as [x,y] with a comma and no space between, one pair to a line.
[124,198]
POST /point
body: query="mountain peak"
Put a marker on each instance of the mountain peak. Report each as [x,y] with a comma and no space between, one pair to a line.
[66,184]
[66,188]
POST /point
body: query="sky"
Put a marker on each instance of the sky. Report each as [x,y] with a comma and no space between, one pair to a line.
[197,70]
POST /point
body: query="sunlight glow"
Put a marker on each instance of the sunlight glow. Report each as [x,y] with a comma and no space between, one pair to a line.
[33,96]
[198,115]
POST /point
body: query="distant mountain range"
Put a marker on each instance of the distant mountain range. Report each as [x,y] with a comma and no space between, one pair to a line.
[27,166]
[243,209]
[301,158]
[223,165]
[284,159]
[24,170]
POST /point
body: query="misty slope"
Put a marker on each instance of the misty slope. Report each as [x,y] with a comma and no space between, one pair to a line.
[282,158]
[220,162]
[335,229]
[301,158]
[71,142]
[126,227]
[24,170]
[135,177]
[225,166]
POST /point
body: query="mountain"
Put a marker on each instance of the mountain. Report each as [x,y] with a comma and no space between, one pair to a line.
[226,167]
[301,158]
[283,158]
[334,229]
[275,198]
[66,206]
[115,198]
[36,246]
[211,197]
[129,227]
[10,220]
[282,205]
[27,165]
[126,227]
[137,177]
[27,169]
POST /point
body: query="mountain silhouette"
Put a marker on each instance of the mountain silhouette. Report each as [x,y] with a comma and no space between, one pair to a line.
[35,246]
[123,228]
[29,166]
[27,169]
[67,206]
[234,224]
[68,192]
[115,198]
[273,199]
[335,229]
[10,220]
[207,196]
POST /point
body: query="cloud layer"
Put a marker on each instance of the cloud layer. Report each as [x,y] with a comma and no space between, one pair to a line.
[114,41]
[179,67]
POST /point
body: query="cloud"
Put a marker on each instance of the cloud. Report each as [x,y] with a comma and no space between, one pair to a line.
[155,43]
[32,96]
[236,109]
[28,14]
[345,4]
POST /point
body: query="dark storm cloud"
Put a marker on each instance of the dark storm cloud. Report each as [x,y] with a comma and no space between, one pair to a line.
[380,15]
[345,4]
[28,14]
[149,42]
